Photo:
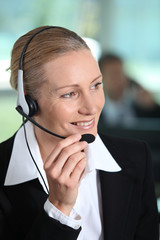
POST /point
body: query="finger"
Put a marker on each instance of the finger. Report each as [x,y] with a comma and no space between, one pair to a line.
[57,149]
[71,163]
[65,154]
[78,170]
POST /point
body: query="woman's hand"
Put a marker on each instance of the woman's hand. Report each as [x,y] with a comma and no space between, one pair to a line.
[64,168]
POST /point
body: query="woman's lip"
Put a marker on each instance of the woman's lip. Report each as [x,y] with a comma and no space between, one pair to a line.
[84,124]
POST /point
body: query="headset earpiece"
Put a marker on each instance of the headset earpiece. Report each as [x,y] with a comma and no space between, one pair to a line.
[32,104]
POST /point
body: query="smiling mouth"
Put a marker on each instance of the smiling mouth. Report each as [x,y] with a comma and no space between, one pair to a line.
[83,124]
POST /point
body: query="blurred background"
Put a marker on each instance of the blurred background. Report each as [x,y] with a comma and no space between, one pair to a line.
[124,37]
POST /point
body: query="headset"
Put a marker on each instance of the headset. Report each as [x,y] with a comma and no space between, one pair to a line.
[25,104]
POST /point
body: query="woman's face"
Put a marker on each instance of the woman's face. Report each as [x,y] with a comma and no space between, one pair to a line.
[72,97]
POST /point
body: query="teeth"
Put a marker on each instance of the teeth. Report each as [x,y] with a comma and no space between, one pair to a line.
[83,123]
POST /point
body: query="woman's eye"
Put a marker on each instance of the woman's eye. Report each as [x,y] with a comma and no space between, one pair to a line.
[96,86]
[69,95]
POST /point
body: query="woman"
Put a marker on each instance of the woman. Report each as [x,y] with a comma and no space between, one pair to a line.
[102,190]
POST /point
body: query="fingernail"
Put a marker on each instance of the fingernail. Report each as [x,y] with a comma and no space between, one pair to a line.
[85,143]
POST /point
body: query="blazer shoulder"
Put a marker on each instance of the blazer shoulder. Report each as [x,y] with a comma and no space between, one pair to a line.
[5,154]
[121,141]
[127,151]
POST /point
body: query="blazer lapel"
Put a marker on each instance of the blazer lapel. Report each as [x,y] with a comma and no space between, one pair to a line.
[117,193]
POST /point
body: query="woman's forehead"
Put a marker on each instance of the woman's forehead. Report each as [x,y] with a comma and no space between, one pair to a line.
[71,68]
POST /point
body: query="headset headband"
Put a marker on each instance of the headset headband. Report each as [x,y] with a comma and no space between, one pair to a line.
[27,43]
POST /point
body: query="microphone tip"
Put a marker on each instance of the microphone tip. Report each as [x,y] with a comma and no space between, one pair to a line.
[88,138]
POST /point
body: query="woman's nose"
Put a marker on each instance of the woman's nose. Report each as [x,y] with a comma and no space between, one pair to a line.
[88,105]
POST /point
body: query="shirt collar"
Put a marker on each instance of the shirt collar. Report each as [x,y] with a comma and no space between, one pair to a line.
[22,168]
[100,158]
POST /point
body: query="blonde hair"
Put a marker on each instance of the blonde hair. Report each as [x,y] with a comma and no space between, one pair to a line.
[45,46]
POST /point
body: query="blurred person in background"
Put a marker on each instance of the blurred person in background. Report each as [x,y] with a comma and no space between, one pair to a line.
[118,109]
[144,104]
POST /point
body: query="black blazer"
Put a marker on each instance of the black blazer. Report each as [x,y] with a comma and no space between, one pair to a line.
[128,199]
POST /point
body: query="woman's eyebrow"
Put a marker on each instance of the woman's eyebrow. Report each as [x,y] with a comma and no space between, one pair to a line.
[76,85]
[100,76]
[66,86]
